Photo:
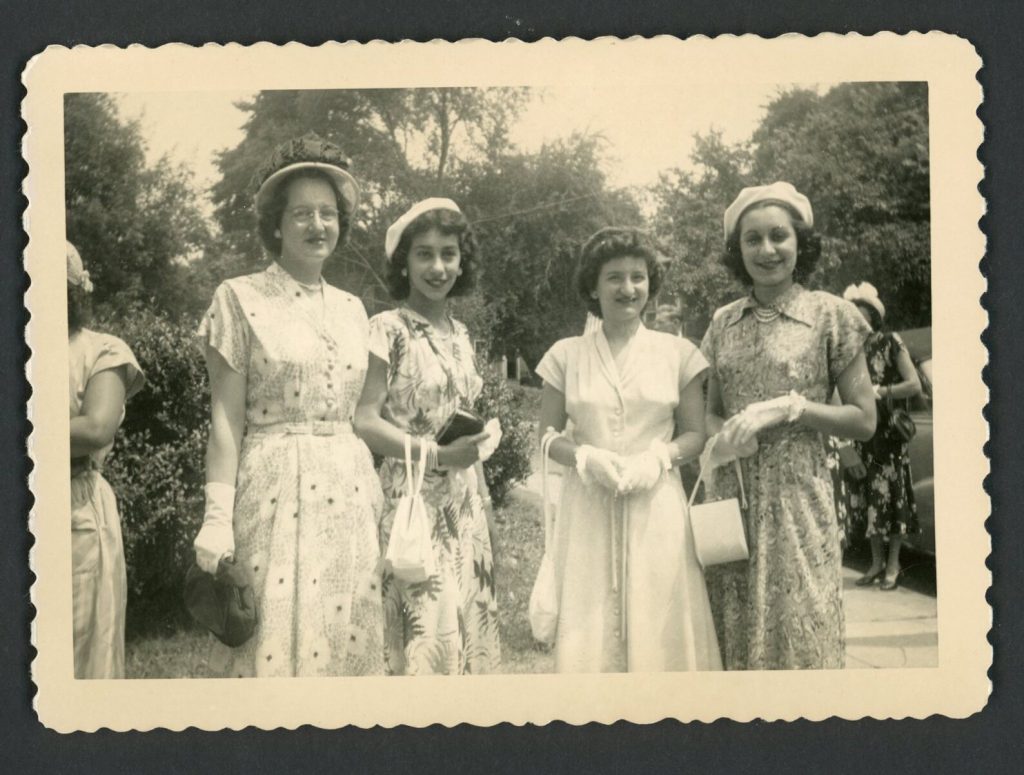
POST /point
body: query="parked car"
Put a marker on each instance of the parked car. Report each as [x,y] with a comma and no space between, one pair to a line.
[919,345]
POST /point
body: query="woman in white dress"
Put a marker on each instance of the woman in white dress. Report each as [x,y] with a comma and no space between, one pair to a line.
[631,593]
[291,491]
[104,375]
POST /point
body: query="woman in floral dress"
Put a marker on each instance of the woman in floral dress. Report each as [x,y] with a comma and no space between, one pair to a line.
[104,375]
[421,370]
[631,595]
[291,491]
[776,356]
[886,494]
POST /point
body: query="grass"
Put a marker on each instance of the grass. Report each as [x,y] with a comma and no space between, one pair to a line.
[185,653]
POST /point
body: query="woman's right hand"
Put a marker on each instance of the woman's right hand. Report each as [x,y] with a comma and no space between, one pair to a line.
[463,452]
[604,467]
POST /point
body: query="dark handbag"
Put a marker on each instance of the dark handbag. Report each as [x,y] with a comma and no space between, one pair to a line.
[900,420]
[224,604]
[849,460]
[461,423]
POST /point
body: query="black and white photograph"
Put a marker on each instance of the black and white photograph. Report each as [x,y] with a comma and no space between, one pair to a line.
[522,380]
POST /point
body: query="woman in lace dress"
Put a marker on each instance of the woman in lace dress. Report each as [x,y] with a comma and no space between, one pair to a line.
[291,490]
[776,356]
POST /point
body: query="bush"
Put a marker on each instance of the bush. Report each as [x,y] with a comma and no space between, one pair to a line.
[158,466]
[510,463]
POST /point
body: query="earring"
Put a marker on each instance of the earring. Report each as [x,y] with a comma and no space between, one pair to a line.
[459,272]
[405,273]
[277,233]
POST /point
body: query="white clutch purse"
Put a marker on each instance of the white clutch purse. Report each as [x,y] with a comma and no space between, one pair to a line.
[719,530]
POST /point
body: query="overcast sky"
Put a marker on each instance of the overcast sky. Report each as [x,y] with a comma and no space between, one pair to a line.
[648,128]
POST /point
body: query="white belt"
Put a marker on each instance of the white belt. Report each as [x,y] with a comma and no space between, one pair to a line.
[314,428]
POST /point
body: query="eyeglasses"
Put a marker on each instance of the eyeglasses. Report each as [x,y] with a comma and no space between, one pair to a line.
[304,215]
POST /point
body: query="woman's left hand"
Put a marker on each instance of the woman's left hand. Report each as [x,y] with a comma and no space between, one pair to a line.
[741,428]
[642,472]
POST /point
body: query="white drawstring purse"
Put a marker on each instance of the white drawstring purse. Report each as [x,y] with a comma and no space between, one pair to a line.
[410,553]
[719,531]
[543,608]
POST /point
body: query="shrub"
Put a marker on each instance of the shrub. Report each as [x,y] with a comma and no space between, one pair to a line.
[510,463]
[157,468]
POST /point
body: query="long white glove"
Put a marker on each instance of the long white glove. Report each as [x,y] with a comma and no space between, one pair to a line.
[641,472]
[601,466]
[216,538]
[488,445]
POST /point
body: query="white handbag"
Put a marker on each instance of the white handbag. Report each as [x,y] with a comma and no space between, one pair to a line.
[543,610]
[719,531]
[410,553]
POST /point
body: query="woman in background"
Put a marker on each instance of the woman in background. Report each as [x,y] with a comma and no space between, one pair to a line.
[886,494]
[104,375]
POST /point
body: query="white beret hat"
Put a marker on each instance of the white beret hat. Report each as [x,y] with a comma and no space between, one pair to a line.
[780,191]
[397,229]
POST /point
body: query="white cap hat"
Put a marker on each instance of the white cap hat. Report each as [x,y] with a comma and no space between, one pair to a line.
[77,276]
[781,192]
[865,293]
[397,229]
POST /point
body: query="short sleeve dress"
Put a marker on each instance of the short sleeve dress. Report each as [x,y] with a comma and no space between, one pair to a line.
[447,624]
[307,499]
[99,580]
[631,592]
[783,608]
[886,495]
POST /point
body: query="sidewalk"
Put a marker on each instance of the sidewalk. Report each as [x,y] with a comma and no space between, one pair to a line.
[883,629]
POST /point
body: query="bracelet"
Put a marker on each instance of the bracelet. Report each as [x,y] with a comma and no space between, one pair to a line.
[432,462]
[797,405]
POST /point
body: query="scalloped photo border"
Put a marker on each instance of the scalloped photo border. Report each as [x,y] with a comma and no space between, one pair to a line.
[957,687]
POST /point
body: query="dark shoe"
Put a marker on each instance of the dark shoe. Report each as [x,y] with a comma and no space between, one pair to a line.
[869,578]
[889,585]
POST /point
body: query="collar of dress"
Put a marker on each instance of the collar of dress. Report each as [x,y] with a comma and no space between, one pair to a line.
[794,304]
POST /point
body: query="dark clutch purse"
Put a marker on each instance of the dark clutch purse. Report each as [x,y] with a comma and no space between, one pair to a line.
[461,423]
[224,604]
[900,421]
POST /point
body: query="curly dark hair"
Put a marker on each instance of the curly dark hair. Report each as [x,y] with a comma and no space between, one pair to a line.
[808,246]
[79,308]
[610,243]
[873,316]
[448,222]
[269,216]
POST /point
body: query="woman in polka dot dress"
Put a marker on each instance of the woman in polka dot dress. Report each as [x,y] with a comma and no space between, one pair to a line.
[291,491]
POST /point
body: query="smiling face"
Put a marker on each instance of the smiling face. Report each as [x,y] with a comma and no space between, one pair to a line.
[623,287]
[433,264]
[768,244]
[310,223]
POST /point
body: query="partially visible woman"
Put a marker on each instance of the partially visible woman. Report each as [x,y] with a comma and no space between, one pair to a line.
[630,590]
[104,375]
[291,491]
[886,494]
[776,357]
[421,370]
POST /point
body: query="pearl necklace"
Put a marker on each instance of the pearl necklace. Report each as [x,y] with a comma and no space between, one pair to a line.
[766,314]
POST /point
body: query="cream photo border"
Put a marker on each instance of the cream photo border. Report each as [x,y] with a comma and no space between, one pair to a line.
[957,687]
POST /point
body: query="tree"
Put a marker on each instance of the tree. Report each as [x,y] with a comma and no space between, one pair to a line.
[136,226]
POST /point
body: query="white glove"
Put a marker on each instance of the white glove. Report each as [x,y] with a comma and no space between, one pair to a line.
[641,472]
[741,428]
[599,465]
[488,445]
[216,538]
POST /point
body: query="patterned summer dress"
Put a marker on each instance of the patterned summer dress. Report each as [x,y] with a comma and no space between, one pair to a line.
[886,495]
[307,499]
[631,593]
[99,581]
[783,609]
[447,624]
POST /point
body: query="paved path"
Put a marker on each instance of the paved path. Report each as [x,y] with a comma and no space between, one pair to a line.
[883,629]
